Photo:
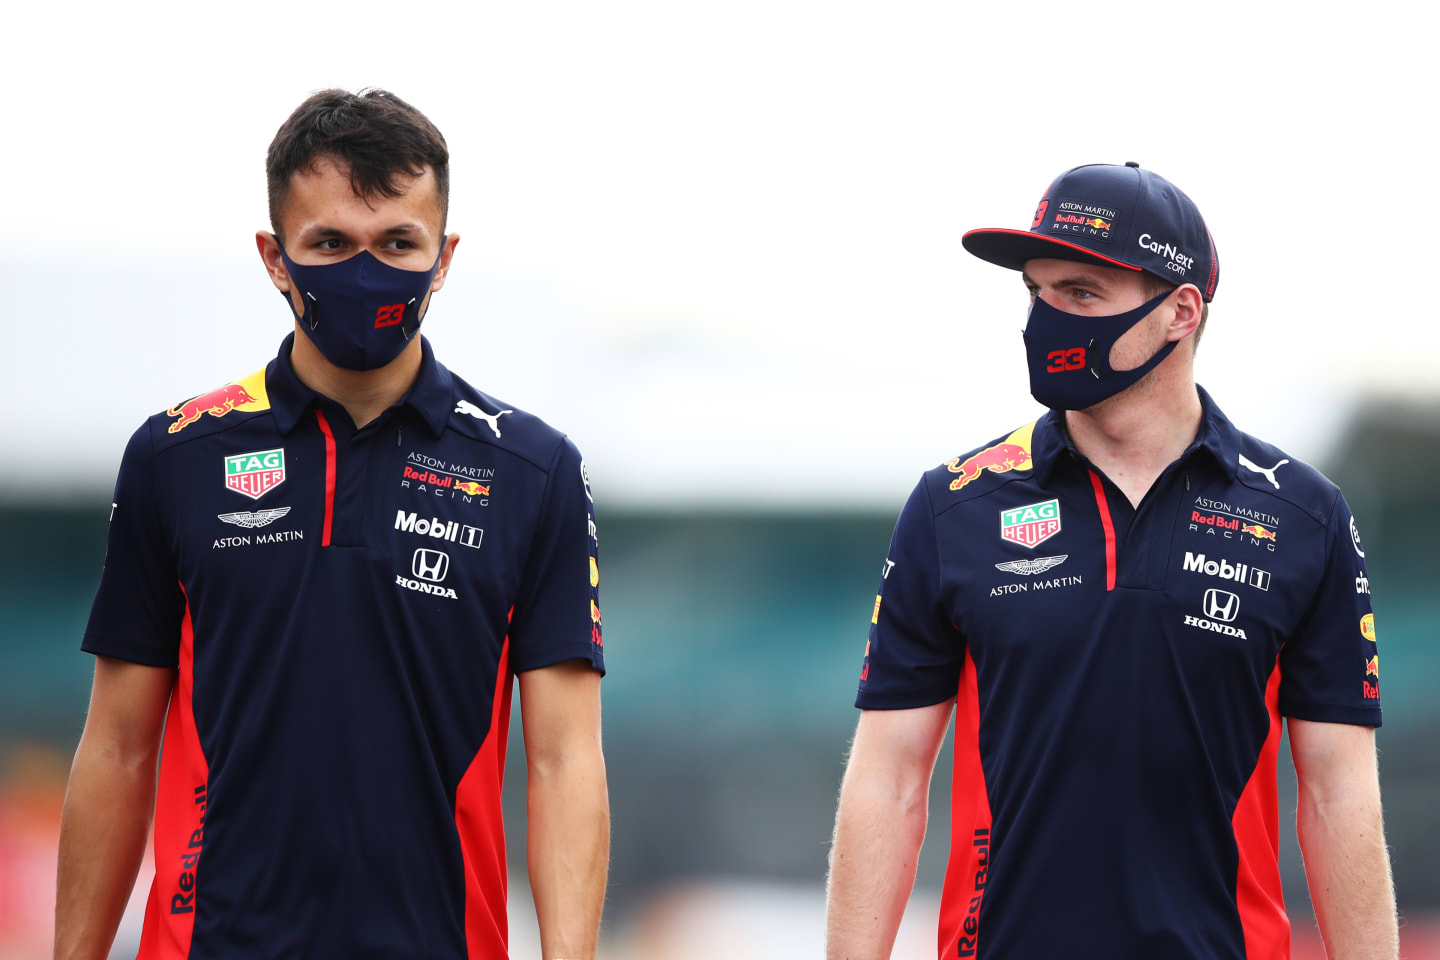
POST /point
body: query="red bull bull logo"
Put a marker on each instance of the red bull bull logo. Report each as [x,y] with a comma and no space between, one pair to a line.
[1097,223]
[1012,454]
[1372,667]
[217,403]
[1257,531]
[594,613]
[473,488]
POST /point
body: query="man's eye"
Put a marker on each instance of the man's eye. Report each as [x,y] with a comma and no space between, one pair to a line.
[1082,294]
[402,244]
[330,244]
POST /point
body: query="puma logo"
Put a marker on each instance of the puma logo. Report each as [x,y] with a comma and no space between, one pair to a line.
[493,419]
[1269,474]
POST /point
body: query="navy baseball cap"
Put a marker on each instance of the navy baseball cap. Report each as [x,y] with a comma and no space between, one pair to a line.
[1115,217]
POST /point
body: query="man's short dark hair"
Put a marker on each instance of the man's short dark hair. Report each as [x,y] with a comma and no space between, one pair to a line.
[1154,286]
[374,134]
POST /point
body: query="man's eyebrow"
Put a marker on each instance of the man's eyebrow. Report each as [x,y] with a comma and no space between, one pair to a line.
[324,231]
[1082,280]
[1078,280]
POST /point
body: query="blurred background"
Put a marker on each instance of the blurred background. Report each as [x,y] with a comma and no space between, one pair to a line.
[719,245]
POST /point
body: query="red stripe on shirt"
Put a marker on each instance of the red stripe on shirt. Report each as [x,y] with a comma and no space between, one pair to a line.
[1258,893]
[481,824]
[180,803]
[968,873]
[1109,530]
[329,476]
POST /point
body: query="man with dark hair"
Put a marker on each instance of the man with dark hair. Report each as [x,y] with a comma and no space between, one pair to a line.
[1118,603]
[322,580]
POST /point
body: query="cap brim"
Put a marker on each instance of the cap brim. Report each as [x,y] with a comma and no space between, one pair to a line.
[1012,248]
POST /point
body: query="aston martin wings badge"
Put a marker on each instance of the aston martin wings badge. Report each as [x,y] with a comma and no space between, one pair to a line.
[1031,567]
[254,518]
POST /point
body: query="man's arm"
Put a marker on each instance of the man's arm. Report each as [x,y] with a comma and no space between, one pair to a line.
[108,805]
[1342,839]
[568,806]
[879,827]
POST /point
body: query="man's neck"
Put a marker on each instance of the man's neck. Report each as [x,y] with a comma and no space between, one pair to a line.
[365,394]
[1134,436]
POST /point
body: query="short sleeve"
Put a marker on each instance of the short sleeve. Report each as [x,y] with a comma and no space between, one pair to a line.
[139,606]
[557,608]
[914,655]
[1330,669]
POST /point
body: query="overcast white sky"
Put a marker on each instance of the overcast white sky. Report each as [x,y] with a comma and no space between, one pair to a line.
[718,244]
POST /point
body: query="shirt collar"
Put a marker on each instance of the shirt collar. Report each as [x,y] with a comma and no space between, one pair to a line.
[1217,436]
[431,396]
[1048,444]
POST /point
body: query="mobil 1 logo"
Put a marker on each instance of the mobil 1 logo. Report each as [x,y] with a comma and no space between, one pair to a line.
[1225,570]
[461,533]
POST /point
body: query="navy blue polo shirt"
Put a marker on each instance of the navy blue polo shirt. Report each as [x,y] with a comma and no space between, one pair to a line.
[1120,674]
[346,609]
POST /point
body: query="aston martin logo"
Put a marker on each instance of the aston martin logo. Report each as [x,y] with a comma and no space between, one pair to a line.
[254,518]
[1029,568]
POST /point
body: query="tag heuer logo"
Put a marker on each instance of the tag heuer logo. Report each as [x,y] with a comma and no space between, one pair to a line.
[1030,525]
[255,474]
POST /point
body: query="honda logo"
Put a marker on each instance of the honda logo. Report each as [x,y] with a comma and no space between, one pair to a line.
[1221,605]
[430,565]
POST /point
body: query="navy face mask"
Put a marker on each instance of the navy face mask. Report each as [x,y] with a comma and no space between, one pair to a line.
[360,312]
[1069,354]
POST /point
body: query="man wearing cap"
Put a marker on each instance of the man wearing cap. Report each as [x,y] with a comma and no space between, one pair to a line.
[322,580]
[1119,602]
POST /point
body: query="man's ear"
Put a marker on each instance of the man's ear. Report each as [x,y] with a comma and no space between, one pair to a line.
[269,247]
[1189,306]
[447,252]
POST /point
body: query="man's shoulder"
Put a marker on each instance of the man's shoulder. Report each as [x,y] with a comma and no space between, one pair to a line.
[483,418]
[981,471]
[209,412]
[1269,470]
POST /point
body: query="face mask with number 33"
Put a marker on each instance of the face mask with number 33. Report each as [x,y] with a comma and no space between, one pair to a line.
[1069,354]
